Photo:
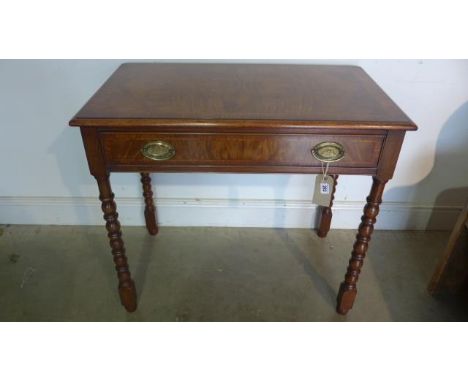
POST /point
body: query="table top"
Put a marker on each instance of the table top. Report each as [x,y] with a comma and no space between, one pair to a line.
[156,94]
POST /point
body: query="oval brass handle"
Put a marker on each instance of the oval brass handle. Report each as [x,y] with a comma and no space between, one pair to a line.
[158,150]
[328,152]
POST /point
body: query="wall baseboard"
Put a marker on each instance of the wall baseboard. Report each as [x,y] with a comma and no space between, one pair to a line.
[222,213]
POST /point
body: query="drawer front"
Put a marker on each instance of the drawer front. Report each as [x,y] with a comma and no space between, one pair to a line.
[224,149]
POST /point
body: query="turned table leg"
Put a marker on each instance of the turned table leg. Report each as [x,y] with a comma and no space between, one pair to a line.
[347,292]
[326,212]
[150,209]
[127,290]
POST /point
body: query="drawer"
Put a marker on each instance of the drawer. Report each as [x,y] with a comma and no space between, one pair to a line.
[235,149]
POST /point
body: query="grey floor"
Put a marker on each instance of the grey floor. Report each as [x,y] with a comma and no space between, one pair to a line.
[58,273]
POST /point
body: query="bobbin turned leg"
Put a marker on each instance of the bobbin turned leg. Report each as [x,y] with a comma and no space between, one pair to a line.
[348,291]
[326,212]
[150,209]
[126,285]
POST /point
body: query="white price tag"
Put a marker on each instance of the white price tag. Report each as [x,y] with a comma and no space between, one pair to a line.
[323,190]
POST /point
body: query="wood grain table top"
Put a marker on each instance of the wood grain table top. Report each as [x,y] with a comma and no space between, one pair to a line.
[161,94]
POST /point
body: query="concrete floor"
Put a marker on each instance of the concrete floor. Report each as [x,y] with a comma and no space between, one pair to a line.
[57,273]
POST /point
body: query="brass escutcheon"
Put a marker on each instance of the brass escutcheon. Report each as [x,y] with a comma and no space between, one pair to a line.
[158,150]
[328,152]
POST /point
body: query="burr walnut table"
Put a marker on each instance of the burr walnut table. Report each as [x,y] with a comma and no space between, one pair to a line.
[240,118]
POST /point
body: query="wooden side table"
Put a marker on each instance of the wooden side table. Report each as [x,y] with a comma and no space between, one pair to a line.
[240,118]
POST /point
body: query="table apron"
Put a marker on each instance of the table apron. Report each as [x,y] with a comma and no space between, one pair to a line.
[243,153]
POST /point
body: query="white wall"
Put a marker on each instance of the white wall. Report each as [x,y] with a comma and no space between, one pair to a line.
[45,179]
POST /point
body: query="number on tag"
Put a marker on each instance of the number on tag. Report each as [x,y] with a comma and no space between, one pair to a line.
[324,188]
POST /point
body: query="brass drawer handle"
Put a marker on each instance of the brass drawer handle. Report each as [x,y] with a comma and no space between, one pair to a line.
[158,150]
[328,152]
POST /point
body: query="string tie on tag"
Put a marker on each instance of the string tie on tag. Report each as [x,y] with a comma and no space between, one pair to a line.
[324,171]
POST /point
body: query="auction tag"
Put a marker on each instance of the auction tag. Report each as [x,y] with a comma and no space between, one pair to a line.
[323,190]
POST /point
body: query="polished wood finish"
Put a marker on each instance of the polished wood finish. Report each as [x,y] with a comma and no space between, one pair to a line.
[97,167]
[389,155]
[245,119]
[348,290]
[326,212]
[150,209]
[150,94]
[126,285]
[268,150]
